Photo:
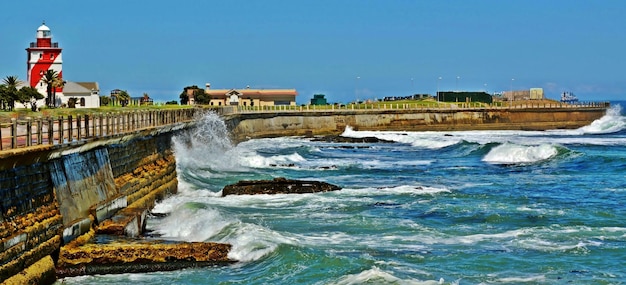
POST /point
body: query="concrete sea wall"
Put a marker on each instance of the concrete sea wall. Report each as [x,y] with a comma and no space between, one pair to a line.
[267,124]
[53,194]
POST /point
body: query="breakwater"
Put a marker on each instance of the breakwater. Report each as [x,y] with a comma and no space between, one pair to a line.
[251,124]
[101,175]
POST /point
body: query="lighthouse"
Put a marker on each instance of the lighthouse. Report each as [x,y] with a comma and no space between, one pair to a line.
[44,55]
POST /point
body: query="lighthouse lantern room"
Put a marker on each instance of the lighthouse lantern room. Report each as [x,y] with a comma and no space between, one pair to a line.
[44,55]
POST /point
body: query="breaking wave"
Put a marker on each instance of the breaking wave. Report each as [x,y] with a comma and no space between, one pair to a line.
[509,153]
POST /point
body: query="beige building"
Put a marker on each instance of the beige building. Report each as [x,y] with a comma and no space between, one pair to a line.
[517,95]
[250,97]
[536,93]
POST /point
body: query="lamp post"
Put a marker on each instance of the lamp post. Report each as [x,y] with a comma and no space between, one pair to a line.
[457,83]
[412,86]
[511,90]
[356,89]
[438,80]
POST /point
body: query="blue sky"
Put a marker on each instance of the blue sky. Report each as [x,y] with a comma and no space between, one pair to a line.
[393,47]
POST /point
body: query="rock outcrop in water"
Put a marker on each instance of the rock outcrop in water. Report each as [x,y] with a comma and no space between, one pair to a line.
[277,186]
[342,139]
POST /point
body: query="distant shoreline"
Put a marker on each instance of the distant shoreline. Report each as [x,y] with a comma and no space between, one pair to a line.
[246,125]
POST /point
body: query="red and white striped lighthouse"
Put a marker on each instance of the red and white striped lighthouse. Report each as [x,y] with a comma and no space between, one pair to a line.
[43,55]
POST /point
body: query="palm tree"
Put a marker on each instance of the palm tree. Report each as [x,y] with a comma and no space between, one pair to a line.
[50,78]
[123,97]
[145,100]
[11,83]
[57,83]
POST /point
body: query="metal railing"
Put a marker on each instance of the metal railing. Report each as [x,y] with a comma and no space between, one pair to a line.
[64,130]
[434,106]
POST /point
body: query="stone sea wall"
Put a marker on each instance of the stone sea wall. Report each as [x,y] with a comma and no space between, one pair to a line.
[251,125]
[51,195]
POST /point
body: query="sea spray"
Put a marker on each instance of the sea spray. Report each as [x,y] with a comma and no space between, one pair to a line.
[207,159]
[612,122]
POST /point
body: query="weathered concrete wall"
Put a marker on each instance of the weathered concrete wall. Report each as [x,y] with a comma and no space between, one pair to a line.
[250,125]
[52,194]
[30,222]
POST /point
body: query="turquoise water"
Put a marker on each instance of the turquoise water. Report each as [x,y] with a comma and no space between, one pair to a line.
[477,207]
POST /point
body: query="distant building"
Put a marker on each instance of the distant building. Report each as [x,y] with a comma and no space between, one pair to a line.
[517,95]
[536,93]
[249,97]
[87,94]
[464,96]
[115,92]
[318,99]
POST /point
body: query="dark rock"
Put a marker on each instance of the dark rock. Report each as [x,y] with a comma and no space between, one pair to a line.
[342,139]
[277,186]
[283,165]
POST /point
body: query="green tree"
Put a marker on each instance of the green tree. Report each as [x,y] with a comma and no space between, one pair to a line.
[3,97]
[104,100]
[11,94]
[51,79]
[184,96]
[200,97]
[29,95]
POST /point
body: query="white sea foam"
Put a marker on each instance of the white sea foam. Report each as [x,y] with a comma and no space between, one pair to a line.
[430,140]
[377,276]
[187,223]
[410,189]
[252,242]
[200,222]
[524,279]
[252,159]
[612,122]
[509,153]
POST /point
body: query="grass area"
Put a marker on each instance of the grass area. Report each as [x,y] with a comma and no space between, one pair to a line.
[5,116]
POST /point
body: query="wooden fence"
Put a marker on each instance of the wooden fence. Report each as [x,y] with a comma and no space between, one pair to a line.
[65,130]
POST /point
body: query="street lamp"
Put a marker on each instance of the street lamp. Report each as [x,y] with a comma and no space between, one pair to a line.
[511,90]
[457,83]
[356,89]
[438,79]
[412,86]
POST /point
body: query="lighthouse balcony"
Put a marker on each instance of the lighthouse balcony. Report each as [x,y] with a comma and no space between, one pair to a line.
[44,45]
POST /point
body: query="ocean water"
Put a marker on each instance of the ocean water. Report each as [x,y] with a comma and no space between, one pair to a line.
[473,207]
